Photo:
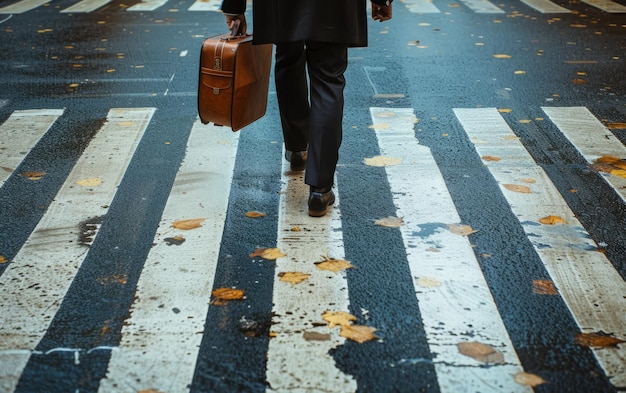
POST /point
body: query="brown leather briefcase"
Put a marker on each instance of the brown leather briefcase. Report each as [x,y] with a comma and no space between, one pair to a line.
[234,79]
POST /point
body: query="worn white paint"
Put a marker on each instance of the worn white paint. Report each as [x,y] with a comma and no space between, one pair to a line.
[293,362]
[454,299]
[585,278]
[147,5]
[22,6]
[85,6]
[41,273]
[421,6]
[546,6]
[206,5]
[607,6]
[482,7]
[592,139]
[19,134]
[178,276]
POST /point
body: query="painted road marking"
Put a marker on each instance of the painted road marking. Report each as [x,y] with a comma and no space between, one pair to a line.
[86,6]
[41,273]
[147,5]
[421,6]
[482,7]
[20,133]
[294,360]
[22,6]
[589,284]
[154,336]
[546,6]
[206,5]
[450,286]
[592,139]
[607,6]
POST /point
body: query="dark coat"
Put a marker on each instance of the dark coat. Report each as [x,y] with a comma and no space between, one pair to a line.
[275,21]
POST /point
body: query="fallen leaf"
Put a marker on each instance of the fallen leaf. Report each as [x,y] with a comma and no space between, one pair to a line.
[552,220]
[482,352]
[517,188]
[505,110]
[358,333]
[90,182]
[334,265]
[315,336]
[579,81]
[617,126]
[3,259]
[255,214]
[544,287]
[382,161]
[224,295]
[338,318]
[502,56]
[174,241]
[186,225]
[379,126]
[32,175]
[491,158]
[519,72]
[267,253]
[524,121]
[428,282]
[392,222]
[149,391]
[293,277]
[597,340]
[462,230]
[529,180]
[528,379]
[295,229]
[618,172]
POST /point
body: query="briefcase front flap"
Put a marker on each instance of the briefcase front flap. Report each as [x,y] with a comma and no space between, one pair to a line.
[216,79]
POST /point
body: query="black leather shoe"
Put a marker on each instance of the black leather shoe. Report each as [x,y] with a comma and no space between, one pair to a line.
[319,200]
[297,159]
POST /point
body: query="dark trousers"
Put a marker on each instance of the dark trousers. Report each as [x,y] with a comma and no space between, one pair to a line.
[312,119]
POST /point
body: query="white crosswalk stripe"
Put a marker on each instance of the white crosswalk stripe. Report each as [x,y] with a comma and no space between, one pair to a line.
[36,289]
[449,284]
[585,278]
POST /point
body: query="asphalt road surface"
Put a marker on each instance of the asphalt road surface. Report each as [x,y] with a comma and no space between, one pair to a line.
[478,243]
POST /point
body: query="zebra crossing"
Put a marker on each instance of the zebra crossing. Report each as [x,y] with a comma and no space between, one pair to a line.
[447,277]
[414,6]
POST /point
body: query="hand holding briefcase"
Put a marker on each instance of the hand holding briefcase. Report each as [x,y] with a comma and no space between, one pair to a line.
[234,80]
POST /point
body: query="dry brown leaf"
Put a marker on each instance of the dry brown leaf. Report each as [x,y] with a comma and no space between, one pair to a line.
[267,253]
[597,340]
[149,391]
[293,277]
[338,318]
[224,295]
[505,110]
[255,214]
[544,287]
[33,175]
[392,222]
[552,220]
[90,182]
[617,126]
[3,259]
[334,265]
[482,352]
[462,230]
[189,224]
[491,158]
[529,180]
[358,333]
[382,161]
[315,336]
[296,229]
[517,188]
[528,379]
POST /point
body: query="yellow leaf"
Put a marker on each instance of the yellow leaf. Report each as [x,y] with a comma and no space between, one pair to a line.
[295,229]
[552,220]
[597,340]
[3,259]
[338,318]
[529,180]
[544,287]
[267,253]
[505,110]
[382,161]
[517,188]
[462,230]
[32,175]
[91,182]
[524,121]
[519,72]
[255,214]
[293,277]
[393,222]
[482,352]
[186,225]
[428,282]
[619,172]
[502,56]
[358,333]
[334,265]
[228,294]
[617,126]
[528,379]
[491,158]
